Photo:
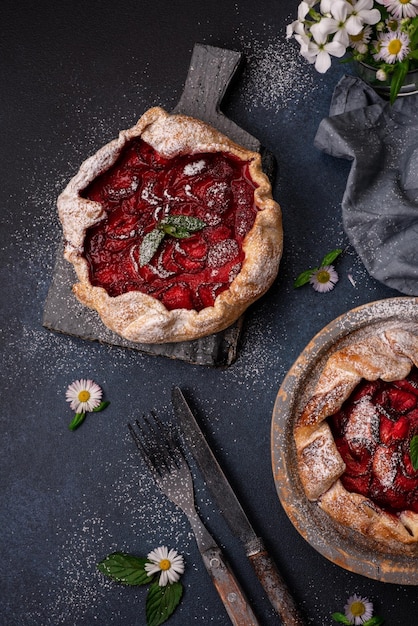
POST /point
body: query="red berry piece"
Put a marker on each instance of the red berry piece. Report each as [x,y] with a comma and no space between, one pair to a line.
[139,191]
[365,388]
[391,430]
[177,297]
[400,401]
[357,484]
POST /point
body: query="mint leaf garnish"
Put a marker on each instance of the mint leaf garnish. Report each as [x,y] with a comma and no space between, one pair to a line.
[413,451]
[150,245]
[161,602]
[125,568]
[77,420]
[178,226]
[182,224]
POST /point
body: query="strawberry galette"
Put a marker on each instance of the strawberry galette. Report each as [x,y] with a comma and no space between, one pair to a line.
[172,230]
[353,438]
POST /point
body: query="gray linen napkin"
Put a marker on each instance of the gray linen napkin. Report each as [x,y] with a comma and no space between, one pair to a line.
[380,202]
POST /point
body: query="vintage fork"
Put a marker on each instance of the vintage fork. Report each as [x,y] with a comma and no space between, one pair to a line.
[159,447]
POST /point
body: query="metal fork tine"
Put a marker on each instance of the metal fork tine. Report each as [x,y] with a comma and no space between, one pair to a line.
[139,444]
[156,444]
[168,443]
[159,447]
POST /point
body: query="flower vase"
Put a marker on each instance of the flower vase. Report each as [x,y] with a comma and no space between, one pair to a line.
[368,74]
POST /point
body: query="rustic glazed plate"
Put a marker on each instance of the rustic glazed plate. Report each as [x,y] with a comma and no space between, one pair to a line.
[340,545]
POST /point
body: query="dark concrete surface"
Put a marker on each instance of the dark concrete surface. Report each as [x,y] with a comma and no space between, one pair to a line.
[72,74]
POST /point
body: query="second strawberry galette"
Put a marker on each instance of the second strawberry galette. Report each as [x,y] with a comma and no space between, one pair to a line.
[172,230]
[353,438]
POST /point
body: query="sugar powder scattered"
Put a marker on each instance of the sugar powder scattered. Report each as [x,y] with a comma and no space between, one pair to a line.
[275,71]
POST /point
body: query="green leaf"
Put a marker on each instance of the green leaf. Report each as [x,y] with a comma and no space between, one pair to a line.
[413,451]
[340,618]
[175,231]
[330,257]
[150,245]
[162,601]
[397,79]
[303,278]
[374,621]
[101,406]
[125,568]
[413,35]
[186,222]
[179,226]
[76,421]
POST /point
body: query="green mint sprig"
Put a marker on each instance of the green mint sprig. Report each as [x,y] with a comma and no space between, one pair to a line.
[178,226]
[130,570]
[305,276]
[79,418]
[125,568]
[162,601]
[413,451]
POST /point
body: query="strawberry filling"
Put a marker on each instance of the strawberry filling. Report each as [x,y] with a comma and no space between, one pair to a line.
[141,189]
[372,431]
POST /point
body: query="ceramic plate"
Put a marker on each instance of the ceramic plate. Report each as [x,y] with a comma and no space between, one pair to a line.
[341,546]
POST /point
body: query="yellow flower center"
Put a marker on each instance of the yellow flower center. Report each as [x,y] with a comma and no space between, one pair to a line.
[394,46]
[164,564]
[358,37]
[405,1]
[84,396]
[323,277]
[357,609]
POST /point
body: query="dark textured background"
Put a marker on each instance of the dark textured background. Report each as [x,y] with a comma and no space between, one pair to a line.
[72,74]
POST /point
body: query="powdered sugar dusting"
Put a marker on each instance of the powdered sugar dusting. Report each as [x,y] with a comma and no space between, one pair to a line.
[276,72]
[362,425]
[191,169]
[320,464]
[222,252]
[385,465]
[127,507]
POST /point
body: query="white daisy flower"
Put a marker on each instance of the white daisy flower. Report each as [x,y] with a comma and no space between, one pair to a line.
[83,395]
[324,279]
[392,24]
[401,8]
[392,47]
[359,42]
[358,610]
[167,562]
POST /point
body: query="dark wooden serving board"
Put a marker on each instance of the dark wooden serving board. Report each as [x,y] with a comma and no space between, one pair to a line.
[210,73]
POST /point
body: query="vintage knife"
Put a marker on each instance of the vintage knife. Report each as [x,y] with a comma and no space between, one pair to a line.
[265,569]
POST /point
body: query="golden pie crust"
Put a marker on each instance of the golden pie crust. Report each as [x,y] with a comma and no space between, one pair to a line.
[388,355]
[139,317]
